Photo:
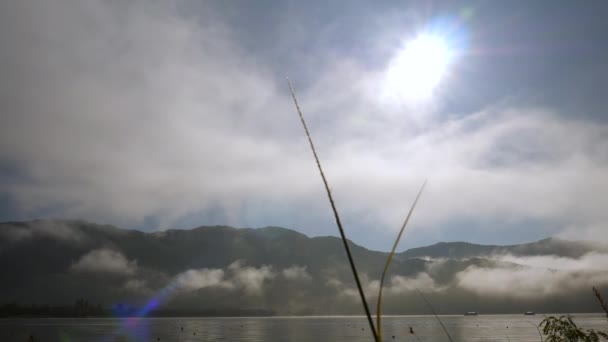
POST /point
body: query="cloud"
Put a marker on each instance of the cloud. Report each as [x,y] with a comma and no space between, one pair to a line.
[137,286]
[594,234]
[251,279]
[342,289]
[202,278]
[41,228]
[534,277]
[479,159]
[593,261]
[422,282]
[296,272]
[148,95]
[105,261]
[509,276]
[395,285]
[143,90]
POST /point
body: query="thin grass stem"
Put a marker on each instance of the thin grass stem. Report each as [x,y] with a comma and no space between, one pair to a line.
[336,216]
[388,262]
[435,314]
[537,329]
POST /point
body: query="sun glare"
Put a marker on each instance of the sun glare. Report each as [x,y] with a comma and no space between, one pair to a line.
[417,69]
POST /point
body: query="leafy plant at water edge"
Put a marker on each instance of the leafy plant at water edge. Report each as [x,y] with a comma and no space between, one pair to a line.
[598,295]
[563,329]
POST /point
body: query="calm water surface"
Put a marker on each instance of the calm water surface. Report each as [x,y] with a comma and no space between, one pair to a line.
[298,329]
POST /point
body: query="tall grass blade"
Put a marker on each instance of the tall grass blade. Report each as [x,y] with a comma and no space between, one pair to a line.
[336,216]
[435,314]
[388,262]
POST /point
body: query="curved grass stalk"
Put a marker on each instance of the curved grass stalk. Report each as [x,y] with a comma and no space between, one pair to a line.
[388,262]
[537,329]
[336,216]
[435,314]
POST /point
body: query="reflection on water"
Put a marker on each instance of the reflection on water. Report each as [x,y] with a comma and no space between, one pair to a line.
[298,329]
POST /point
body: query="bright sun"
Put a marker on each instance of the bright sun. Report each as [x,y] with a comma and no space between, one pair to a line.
[417,69]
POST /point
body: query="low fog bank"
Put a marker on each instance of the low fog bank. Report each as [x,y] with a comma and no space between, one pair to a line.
[284,272]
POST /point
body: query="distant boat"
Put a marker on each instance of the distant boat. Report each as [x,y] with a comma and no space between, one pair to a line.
[471,313]
[529,313]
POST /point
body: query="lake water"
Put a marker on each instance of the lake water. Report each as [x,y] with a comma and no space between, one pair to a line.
[298,329]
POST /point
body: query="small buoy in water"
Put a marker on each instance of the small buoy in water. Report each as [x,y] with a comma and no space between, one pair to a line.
[158,339]
[362,328]
[393,337]
[182,328]
[193,333]
[411,330]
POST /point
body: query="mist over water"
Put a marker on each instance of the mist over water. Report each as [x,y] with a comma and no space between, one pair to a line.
[298,329]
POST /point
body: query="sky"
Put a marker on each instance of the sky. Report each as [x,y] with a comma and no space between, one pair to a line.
[152,115]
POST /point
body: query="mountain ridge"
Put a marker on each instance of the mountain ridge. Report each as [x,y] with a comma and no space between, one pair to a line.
[414,251]
[273,268]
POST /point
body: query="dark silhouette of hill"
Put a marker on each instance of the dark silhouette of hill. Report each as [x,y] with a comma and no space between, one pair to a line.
[272,269]
[548,246]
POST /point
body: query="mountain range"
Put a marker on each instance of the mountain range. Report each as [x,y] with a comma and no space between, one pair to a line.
[273,270]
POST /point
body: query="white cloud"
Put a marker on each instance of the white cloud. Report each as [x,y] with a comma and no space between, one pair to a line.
[342,289]
[105,261]
[594,233]
[422,282]
[251,279]
[143,91]
[149,96]
[202,278]
[473,163]
[395,285]
[537,276]
[510,276]
[42,228]
[296,272]
[593,261]
[236,276]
